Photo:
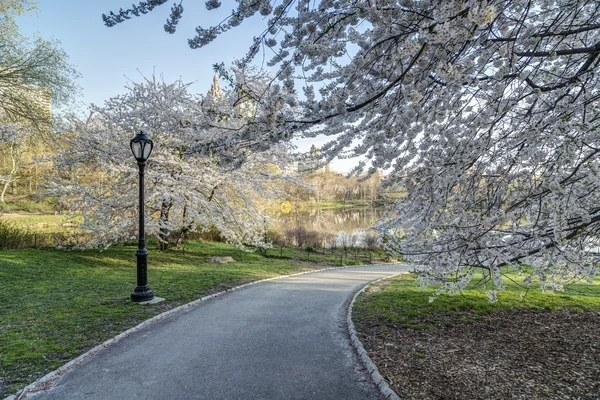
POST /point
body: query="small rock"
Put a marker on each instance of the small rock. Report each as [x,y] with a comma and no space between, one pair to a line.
[221,259]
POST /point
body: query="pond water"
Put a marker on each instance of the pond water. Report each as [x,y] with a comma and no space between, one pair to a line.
[334,221]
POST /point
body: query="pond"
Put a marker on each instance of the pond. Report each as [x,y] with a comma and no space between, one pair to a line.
[330,221]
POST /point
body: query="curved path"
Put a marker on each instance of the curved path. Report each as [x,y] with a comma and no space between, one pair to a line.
[282,339]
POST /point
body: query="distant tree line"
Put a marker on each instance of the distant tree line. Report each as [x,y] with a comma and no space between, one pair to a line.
[327,186]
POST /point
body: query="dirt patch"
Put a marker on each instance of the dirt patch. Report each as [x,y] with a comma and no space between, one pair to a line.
[510,355]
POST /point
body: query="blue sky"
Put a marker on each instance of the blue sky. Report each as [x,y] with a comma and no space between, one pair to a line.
[109,58]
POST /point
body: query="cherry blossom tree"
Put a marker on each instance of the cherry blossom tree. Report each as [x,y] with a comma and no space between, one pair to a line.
[487,112]
[185,190]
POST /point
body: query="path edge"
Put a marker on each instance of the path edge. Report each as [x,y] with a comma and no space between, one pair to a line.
[46,381]
[367,362]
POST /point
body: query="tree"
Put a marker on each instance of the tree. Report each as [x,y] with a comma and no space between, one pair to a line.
[186,190]
[33,74]
[487,112]
[32,71]
[9,9]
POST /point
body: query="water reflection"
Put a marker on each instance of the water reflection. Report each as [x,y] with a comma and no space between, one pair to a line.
[333,221]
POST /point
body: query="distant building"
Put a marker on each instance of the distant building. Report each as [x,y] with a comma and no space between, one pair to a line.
[215,93]
[243,107]
[308,163]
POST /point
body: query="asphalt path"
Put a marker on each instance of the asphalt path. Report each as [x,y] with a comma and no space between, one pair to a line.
[281,339]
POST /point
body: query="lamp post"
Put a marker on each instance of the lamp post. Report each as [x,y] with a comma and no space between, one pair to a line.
[141,147]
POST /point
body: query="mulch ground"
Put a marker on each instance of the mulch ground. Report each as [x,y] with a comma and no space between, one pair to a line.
[511,355]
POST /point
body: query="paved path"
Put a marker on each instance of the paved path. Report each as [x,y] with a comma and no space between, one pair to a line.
[282,339]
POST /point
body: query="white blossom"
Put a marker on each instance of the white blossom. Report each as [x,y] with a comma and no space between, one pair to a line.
[207,169]
[485,112]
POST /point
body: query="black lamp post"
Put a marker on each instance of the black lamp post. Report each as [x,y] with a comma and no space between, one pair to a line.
[141,146]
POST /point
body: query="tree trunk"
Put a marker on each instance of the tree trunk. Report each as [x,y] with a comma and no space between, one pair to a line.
[184,229]
[6,184]
[163,232]
[13,171]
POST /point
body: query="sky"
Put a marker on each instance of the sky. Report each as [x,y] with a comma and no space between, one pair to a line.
[109,58]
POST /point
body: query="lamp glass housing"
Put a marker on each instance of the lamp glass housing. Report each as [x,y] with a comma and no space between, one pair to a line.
[141,147]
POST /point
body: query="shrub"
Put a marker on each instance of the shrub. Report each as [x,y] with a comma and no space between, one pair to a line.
[276,238]
[12,237]
[371,241]
[211,234]
[296,236]
[301,237]
[313,239]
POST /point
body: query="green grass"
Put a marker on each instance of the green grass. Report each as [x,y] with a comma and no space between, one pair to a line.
[28,204]
[42,222]
[324,256]
[55,305]
[399,302]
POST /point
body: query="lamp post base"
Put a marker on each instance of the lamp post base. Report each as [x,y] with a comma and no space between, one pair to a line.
[142,293]
[155,300]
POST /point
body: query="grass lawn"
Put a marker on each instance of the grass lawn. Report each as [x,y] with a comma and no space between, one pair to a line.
[336,257]
[27,204]
[55,305]
[542,346]
[42,222]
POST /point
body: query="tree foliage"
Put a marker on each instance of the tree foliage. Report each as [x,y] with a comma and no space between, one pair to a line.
[33,71]
[34,75]
[9,9]
[485,111]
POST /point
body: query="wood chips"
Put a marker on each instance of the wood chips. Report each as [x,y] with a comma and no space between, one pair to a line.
[512,355]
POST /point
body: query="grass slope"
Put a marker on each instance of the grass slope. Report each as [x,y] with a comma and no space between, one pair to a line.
[55,305]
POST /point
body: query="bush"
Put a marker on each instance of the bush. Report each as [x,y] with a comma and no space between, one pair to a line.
[313,239]
[276,238]
[296,236]
[12,237]
[301,237]
[212,234]
[371,241]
